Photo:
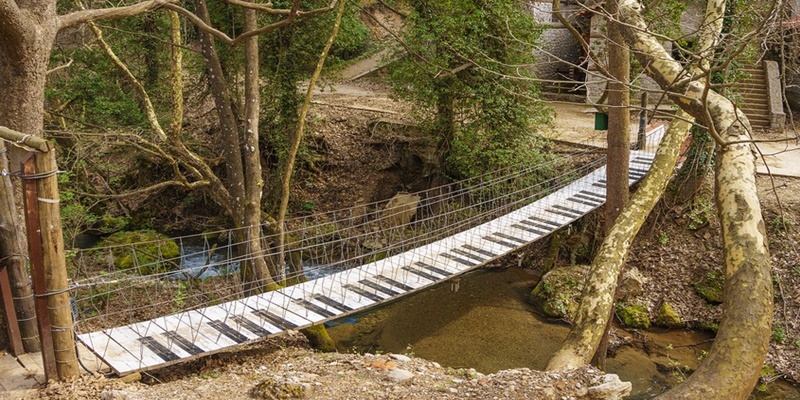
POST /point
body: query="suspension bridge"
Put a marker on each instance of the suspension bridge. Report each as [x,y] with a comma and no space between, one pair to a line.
[141,306]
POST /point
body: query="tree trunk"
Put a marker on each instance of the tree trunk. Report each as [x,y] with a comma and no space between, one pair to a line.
[23,66]
[731,368]
[597,299]
[619,121]
[618,151]
[257,274]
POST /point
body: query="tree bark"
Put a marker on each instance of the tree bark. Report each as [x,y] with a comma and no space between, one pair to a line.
[618,150]
[619,120]
[258,276]
[731,368]
[24,53]
[597,299]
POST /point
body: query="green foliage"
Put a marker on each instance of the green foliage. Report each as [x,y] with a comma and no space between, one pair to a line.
[778,333]
[701,213]
[663,238]
[485,113]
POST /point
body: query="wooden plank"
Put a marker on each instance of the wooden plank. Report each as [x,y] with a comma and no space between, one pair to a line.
[188,326]
[130,340]
[33,362]
[13,375]
[117,357]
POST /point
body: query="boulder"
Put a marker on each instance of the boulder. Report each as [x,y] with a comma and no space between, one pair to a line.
[634,315]
[631,284]
[709,287]
[400,209]
[668,317]
[558,292]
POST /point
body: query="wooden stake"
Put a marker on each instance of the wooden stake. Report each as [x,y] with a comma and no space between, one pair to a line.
[63,334]
[11,314]
[37,268]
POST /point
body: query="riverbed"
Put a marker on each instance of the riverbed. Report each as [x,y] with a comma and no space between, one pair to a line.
[485,322]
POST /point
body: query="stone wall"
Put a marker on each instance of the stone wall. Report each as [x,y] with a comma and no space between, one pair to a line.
[558,51]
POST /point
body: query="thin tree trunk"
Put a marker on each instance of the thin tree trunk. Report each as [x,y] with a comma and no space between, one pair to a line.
[618,150]
[298,137]
[259,278]
[619,121]
[730,369]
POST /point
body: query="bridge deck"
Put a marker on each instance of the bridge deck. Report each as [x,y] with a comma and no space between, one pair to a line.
[173,338]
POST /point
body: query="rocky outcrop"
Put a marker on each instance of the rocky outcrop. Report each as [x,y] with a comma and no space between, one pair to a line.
[400,209]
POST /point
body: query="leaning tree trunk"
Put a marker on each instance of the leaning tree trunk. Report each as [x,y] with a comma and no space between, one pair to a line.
[597,298]
[731,368]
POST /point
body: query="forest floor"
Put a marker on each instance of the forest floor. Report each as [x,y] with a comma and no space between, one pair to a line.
[679,246]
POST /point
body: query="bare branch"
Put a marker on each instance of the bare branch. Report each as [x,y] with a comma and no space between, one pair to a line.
[102,14]
[60,67]
[148,105]
[149,189]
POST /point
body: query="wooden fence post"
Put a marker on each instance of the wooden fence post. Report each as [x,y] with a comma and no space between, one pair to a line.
[63,332]
[30,196]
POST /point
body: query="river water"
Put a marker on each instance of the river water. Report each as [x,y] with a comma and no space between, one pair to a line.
[487,324]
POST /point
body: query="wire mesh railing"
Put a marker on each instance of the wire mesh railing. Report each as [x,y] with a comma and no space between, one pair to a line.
[123,284]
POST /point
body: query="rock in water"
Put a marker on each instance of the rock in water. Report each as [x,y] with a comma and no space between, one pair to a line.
[400,209]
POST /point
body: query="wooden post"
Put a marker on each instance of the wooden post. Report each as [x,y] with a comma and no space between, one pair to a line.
[37,268]
[11,313]
[641,138]
[63,333]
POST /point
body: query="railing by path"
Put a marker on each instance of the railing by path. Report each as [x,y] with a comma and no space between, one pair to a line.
[139,306]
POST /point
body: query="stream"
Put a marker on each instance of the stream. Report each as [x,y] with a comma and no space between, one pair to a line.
[487,324]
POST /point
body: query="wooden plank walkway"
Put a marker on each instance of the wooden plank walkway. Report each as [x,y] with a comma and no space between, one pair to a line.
[173,338]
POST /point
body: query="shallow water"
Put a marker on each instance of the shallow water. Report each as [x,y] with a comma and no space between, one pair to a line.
[487,324]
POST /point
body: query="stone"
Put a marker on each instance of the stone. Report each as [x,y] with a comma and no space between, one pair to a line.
[399,375]
[400,357]
[400,209]
[612,388]
[117,395]
[631,284]
[668,317]
[634,315]
[709,287]
[558,292]
[278,388]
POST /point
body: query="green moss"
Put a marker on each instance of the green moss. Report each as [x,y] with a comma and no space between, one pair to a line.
[148,252]
[634,315]
[709,287]
[318,337]
[667,316]
[558,292]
